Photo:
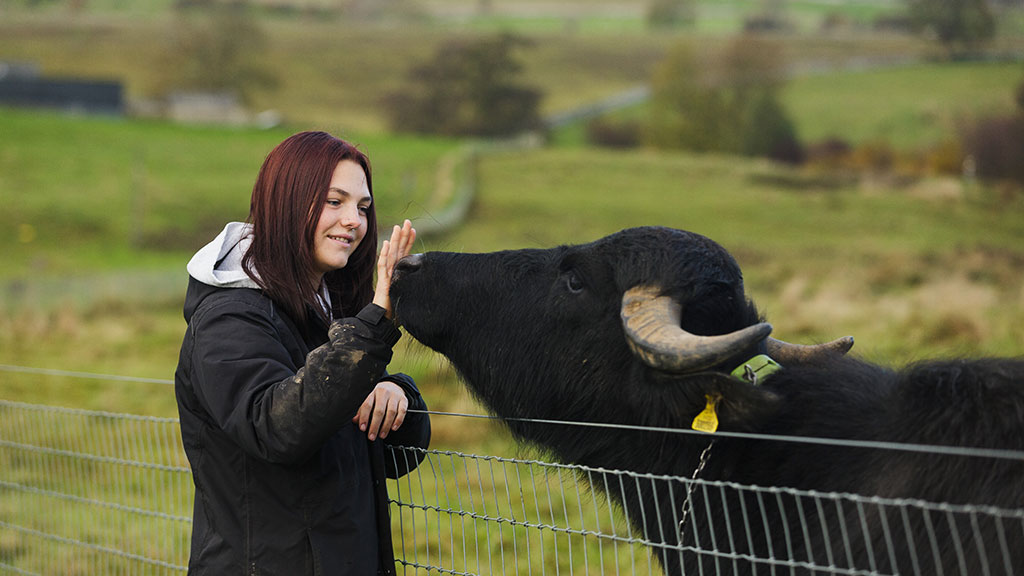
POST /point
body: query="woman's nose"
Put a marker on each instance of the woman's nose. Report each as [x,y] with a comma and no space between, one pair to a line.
[350,218]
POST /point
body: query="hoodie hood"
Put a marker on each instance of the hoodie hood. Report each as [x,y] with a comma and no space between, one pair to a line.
[218,266]
[219,263]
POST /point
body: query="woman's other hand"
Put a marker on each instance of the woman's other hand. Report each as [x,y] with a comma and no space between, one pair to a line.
[402,239]
[383,410]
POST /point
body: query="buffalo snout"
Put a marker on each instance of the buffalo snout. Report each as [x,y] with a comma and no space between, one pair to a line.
[410,263]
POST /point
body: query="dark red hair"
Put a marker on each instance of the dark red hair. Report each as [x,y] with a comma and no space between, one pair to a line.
[287,199]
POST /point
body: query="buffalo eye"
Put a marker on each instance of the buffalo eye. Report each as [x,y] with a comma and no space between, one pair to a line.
[573,282]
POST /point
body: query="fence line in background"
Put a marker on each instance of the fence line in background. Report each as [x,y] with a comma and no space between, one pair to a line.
[87,375]
[93,492]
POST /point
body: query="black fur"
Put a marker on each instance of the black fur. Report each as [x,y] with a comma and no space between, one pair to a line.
[536,334]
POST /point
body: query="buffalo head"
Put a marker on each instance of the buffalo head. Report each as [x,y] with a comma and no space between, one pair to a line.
[636,328]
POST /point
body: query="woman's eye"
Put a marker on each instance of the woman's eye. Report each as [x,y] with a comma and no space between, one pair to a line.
[333,202]
[574,283]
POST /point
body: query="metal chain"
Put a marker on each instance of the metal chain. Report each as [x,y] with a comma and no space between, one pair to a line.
[688,503]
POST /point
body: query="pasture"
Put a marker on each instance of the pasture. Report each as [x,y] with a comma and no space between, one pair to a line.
[101,214]
[933,267]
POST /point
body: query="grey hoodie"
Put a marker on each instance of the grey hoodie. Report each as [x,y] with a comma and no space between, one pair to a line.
[219,263]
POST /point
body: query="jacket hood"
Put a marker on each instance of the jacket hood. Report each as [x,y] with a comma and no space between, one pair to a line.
[218,265]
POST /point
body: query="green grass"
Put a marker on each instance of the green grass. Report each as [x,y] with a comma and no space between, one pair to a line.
[128,194]
[884,263]
[100,214]
[864,256]
[906,106]
[932,269]
[336,72]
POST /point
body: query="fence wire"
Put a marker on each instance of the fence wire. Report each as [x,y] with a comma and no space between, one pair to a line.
[91,492]
[467,514]
[87,492]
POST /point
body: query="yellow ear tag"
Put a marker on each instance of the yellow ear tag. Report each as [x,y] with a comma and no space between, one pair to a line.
[707,420]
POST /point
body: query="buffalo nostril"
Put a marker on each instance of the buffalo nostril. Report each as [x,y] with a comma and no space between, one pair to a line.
[410,263]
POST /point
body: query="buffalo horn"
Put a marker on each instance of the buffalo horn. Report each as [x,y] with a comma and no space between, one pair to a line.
[784,352]
[652,324]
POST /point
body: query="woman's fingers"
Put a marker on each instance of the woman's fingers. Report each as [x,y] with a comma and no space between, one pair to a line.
[407,239]
[383,410]
[382,291]
[391,251]
[402,239]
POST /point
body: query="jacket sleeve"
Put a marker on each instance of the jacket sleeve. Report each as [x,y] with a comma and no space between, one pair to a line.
[413,433]
[247,382]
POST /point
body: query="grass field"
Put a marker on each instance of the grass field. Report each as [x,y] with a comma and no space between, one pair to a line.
[907,106]
[910,270]
[336,72]
[100,214]
[127,193]
[935,268]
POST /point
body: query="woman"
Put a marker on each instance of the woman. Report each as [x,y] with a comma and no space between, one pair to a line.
[281,385]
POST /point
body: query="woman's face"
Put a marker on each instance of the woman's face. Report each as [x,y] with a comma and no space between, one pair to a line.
[343,218]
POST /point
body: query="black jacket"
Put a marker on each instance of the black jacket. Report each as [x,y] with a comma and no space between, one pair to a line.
[285,482]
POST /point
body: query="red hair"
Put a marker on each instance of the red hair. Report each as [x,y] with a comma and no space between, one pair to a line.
[287,199]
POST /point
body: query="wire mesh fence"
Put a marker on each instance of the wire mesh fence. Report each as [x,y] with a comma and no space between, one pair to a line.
[91,492]
[467,514]
[470,514]
[87,492]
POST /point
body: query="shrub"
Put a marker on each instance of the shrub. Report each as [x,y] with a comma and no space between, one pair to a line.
[612,134]
[959,25]
[996,146]
[829,154]
[895,22]
[730,107]
[766,130]
[765,23]
[670,13]
[218,48]
[946,157]
[873,156]
[469,89]
[685,112]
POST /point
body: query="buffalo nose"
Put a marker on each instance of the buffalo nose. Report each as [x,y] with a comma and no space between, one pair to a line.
[410,263]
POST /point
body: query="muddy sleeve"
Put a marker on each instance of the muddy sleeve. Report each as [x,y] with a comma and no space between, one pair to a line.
[248,384]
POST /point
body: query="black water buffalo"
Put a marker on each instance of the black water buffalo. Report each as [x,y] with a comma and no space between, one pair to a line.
[651,327]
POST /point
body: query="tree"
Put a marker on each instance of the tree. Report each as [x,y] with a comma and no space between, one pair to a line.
[960,25]
[1020,98]
[469,88]
[996,144]
[751,72]
[219,50]
[670,13]
[767,131]
[730,105]
[685,111]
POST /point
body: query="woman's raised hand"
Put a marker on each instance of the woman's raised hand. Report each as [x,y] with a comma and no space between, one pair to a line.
[391,251]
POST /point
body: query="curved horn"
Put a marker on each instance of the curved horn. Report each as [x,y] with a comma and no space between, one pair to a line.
[784,352]
[652,328]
